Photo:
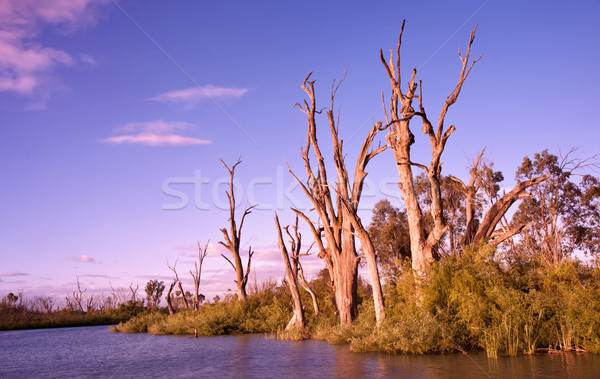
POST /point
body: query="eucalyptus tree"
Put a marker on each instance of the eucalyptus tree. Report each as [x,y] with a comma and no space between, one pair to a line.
[154,290]
[427,229]
[563,213]
[336,204]
[232,238]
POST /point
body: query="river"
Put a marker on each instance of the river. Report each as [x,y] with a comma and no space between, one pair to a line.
[95,352]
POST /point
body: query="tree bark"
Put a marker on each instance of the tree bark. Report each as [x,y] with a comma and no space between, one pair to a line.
[312,293]
[196,274]
[297,321]
[183,298]
[174,269]
[499,207]
[232,238]
[346,281]
[338,219]
[296,242]
[400,139]
[169,300]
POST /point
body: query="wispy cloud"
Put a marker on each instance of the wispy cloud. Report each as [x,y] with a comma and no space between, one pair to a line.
[15,273]
[190,97]
[153,277]
[81,258]
[97,276]
[24,62]
[155,133]
[86,58]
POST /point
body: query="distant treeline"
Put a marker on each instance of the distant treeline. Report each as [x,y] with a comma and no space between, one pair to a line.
[40,312]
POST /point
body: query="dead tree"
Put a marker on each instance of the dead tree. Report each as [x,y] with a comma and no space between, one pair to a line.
[297,321]
[169,299]
[295,247]
[198,272]
[119,295]
[78,297]
[340,222]
[114,301]
[133,292]
[486,229]
[400,140]
[233,236]
[178,281]
[90,303]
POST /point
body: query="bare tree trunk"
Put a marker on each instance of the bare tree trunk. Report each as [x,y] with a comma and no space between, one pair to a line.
[346,281]
[497,211]
[169,299]
[174,269]
[233,236]
[400,139]
[296,241]
[371,257]
[198,272]
[78,296]
[312,293]
[297,321]
[115,299]
[494,215]
[133,292]
[89,303]
[185,302]
[340,222]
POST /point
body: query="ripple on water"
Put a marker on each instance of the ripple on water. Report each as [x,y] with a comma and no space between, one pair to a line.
[95,352]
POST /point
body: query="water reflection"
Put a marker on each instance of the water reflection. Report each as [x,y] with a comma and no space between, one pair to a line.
[94,352]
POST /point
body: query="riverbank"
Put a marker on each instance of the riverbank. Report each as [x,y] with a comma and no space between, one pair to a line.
[469,303]
[18,318]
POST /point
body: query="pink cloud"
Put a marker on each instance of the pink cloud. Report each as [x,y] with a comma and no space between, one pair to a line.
[155,127]
[192,96]
[156,140]
[155,133]
[15,273]
[81,258]
[51,11]
[23,61]
[86,58]
[97,276]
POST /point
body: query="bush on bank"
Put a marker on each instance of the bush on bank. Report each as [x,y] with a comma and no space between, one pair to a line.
[469,302]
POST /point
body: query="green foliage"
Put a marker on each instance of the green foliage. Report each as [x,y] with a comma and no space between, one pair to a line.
[473,302]
[266,311]
[154,290]
[10,300]
[294,334]
[470,301]
[563,211]
[389,233]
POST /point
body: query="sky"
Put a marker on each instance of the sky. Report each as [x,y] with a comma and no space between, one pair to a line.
[114,115]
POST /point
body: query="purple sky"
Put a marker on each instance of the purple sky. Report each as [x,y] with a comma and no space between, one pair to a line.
[106,124]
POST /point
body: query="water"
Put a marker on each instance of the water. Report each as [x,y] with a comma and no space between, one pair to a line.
[95,352]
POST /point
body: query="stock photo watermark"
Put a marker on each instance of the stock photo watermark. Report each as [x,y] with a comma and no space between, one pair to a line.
[276,192]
